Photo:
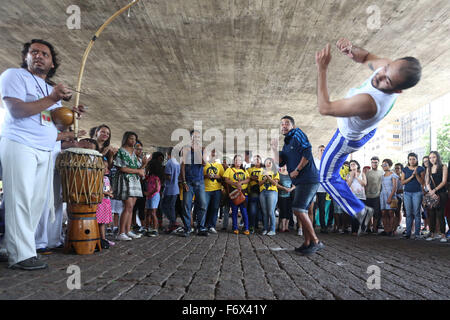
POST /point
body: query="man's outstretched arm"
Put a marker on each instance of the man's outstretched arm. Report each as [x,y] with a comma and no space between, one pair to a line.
[361,55]
[361,105]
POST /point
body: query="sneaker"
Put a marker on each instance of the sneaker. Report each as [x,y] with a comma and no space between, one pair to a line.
[109,231]
[179,230]
[236,231]
[3,255]
[32,263]
[44,251]
[364,218]
[252,230]
[313,248]
[212,230]
[184,234]
[111,243]
[123,237]
[437,237]
[264,232]
[133,235]
[203,233]
[443,240]
[104,244]
[115,230]
[271,233]
[142,230]
[301,248]
[406,236]
[300,232]
[246,232]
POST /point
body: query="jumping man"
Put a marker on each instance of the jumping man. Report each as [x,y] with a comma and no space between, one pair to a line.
[358,115]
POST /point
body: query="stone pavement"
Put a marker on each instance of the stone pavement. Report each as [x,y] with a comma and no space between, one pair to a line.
[225,266]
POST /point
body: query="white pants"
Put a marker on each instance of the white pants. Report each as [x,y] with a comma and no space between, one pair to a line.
[48,233]
[27,174]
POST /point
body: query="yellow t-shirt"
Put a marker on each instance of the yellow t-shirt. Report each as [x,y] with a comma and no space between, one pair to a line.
[212,168]
[268,185]
[254,172]
[236,175]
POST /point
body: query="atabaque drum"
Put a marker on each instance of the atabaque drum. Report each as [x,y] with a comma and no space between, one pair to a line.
[81,173]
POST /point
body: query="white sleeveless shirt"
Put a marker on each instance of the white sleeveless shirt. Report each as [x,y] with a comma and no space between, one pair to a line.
[354,128]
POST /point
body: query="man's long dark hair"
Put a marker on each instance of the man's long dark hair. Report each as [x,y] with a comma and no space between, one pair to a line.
[55,60]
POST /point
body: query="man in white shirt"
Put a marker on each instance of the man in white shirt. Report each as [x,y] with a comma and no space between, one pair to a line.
[28,138]
[358,115]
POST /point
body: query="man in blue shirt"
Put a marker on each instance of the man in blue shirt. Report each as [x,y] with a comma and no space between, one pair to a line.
[298,158]
[171,190]
[193,184]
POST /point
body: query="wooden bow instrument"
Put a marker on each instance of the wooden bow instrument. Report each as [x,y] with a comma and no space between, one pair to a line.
[86,53]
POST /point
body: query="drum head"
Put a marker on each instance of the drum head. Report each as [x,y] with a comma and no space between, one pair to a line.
[84,151]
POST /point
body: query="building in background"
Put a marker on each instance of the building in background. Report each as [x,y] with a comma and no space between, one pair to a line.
[415,132]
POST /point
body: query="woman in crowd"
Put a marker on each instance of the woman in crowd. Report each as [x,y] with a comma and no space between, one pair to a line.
[237,177]
[388,198]
[127,186]
[356,180]
[268,181]
[225,199]
[425,217]
[412,178]
[399,195]
[285,187]
[436,184]
[139,206]
[102,135]
[254,205]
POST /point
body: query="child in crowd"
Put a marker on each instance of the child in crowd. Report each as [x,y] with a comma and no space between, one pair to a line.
[388,200]
[155,170]
[104,213]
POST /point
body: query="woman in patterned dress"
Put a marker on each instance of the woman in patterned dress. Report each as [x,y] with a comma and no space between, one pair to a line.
[128,187]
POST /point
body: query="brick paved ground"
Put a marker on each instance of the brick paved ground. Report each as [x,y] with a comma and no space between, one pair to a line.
[227,267]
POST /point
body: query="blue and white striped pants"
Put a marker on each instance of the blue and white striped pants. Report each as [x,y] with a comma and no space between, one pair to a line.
[333,158]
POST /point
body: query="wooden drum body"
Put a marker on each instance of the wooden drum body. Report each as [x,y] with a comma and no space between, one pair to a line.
[81,173]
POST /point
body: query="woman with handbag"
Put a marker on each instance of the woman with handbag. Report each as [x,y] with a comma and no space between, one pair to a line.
[388,200]
[412,178]
[237,178]
[436,182]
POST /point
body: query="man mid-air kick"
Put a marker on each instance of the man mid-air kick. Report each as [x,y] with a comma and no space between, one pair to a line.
[358,115]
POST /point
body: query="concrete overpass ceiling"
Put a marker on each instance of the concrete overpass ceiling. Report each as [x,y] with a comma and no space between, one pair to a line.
[231,64]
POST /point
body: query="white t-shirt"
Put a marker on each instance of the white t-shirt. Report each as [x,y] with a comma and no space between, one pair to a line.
[354,128]
[357,189]
[30,131]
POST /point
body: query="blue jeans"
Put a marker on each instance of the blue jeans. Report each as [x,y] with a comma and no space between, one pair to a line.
[234,210]
[196,188]
[268,200]
[412,202]
[212,199]
[254,211]
[168,208]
